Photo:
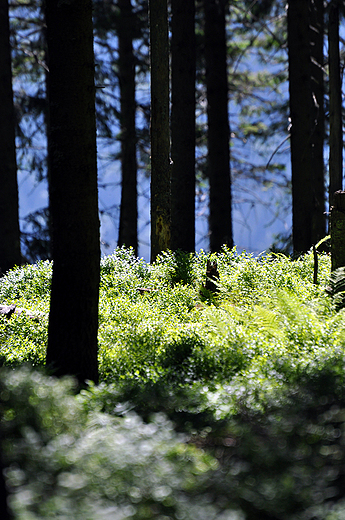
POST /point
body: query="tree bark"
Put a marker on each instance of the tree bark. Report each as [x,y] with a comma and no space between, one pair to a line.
[72,335]
[318,131]
[9,213]
[160,131]
[335,105]
[183,71]
[301,110]
[128,228]
[220,219]
[338,230]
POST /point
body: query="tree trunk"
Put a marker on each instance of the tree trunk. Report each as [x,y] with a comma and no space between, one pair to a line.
[301,110]
[9,217]
[160,132]
[318,132]
[72,338]
[335,105]
[220,219]
[183,70]
[338,230]
[128,229]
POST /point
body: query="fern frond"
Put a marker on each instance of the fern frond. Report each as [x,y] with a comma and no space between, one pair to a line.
[336,287]
[337,280]
[290,306]
[268,321]
[219,318]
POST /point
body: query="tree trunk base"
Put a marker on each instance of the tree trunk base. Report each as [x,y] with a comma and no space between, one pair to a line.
[338,230]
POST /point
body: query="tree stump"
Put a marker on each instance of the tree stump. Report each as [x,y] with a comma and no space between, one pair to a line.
[212,276]
[338,230]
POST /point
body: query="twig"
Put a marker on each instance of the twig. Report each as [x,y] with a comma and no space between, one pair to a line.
[316,265]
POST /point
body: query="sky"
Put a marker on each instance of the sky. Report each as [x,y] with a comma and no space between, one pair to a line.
[254,226]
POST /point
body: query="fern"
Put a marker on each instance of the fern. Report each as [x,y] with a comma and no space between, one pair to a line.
[268,321]
[336,287]
[284,318]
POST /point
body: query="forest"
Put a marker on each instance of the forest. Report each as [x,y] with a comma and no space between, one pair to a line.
[258,97]
[205,383]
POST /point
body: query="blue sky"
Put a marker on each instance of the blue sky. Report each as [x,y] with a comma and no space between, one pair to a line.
[252,224]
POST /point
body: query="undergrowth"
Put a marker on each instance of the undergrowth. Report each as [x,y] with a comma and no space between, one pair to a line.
[156,323]
[252,374]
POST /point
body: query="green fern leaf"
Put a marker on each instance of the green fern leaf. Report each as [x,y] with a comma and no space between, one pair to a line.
[336,287]
[267,320]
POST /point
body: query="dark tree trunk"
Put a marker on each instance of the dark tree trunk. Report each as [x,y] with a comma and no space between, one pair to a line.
[128,230]
[160,131]
[335,105]
[337,227]
[183,125]
[9,217]
[48,244]
[301,110]
[318,132]
[73,319]
[218,125]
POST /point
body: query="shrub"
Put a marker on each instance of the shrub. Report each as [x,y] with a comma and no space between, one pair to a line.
[67,459]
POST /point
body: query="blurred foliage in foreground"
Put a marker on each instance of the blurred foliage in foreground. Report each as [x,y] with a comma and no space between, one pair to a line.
[225,405]
[65,461]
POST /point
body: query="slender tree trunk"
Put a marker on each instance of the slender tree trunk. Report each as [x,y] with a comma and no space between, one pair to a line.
[160,132]
[335,105]
[128,229]
[9,215]
[183,70]
[218,125]
[318,131]
[73,319]
[301,110]
[48,245]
